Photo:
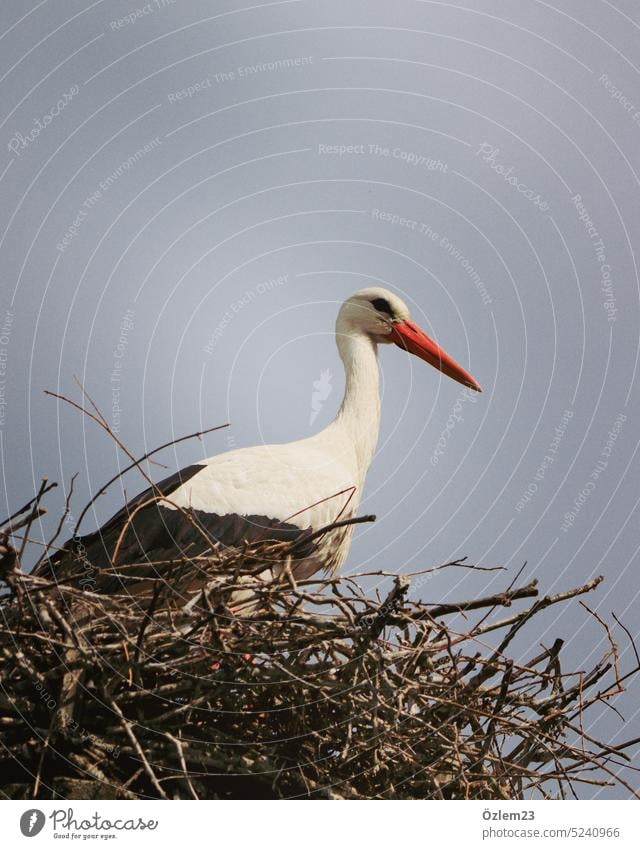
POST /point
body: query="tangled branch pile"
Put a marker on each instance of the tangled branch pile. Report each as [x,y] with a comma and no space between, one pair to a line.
[322,690]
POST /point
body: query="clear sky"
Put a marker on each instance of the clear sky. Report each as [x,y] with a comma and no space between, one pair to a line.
[190,189]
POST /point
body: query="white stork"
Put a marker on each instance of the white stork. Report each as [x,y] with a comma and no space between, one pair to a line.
[278,491]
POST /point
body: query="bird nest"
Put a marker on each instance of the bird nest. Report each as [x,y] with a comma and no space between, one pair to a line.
[323,690]
[163,686]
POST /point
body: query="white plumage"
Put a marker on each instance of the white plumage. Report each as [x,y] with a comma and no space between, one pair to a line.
[279,491]
[316,481]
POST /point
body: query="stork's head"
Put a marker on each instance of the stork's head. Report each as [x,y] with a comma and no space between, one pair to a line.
[385,317]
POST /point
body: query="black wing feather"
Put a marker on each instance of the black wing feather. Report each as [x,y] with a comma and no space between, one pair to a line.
[156,533]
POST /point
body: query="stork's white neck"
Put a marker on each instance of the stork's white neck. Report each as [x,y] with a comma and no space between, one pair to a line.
[359,414]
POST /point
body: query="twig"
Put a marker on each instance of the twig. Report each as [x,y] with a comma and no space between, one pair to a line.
[136,463]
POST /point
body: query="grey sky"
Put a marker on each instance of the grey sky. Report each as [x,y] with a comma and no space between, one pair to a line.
[190,189]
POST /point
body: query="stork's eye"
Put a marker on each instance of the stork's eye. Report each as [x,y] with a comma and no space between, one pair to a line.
[382,305]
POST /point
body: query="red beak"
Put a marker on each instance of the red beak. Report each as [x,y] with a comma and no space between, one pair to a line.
[409,336]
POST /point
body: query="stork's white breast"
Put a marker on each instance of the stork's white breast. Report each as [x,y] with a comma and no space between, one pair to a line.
[283,482]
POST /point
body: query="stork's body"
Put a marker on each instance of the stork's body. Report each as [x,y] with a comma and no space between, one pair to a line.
[310,483]
[280,491]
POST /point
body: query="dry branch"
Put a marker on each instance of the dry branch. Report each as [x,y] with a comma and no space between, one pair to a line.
[323,691]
